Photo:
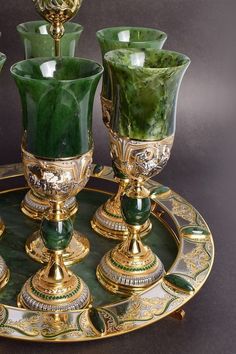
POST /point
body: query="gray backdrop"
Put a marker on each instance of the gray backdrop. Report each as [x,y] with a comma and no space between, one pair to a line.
[202,166]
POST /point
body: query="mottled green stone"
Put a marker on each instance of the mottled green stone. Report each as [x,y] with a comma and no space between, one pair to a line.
[135,211]
[145,85]
[39,43]
[126,37]
[159,190]
[195,230]
[57,98]
[96,320]
[179,282]
[2,60]
[56,235]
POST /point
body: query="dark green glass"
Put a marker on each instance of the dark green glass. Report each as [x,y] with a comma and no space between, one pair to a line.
[145,85]
[39,43]
[57,96]
[2,60]
[126,37]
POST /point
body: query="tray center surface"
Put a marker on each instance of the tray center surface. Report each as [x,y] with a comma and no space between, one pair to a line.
[19,227]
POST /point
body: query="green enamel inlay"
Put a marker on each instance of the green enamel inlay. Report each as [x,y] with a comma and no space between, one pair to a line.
[128,269]
[179,282]
[19,227]
[135,211]
[195,231]
[108,213]
[56,235]
[38,42]
[96,320]
[126,37]
[57,98]
[145,89]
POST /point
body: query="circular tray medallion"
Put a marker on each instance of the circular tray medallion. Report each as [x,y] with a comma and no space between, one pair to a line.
[180,237]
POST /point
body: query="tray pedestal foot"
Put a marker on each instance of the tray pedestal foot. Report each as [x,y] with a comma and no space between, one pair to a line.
[179,314]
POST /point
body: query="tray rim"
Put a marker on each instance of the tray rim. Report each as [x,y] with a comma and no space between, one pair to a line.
[106,173]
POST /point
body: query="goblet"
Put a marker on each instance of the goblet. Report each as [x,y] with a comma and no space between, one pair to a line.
[108,220]
[57,12]
[4,271]
[57,97]
[39,43]
[145,85]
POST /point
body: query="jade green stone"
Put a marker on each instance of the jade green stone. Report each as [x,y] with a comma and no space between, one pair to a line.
[57,96]
[135,211]
[98,169]
[195,230]
[159,190]
[145,85]
[2,60]
[56,235]
[39,43]
[126,37]
[179,282]
[96,320]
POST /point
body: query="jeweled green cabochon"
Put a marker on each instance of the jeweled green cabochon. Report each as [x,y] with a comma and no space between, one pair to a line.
[126,37]
[145,85]
[39,43]
[57,100]
[2,60]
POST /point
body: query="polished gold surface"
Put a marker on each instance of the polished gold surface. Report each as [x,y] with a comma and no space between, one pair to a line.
[34,206]
[130,267]
[77,250]
[2,227]
[54,288]
[57,12]
[4,277]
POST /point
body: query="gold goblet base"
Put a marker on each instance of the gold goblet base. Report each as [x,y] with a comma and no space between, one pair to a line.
[2,228]
[4,274]
[123,272]
[34,206]
[54,289]
[76,251]
[112,225]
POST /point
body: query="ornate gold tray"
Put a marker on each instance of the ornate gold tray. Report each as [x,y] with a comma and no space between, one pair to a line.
[180,236]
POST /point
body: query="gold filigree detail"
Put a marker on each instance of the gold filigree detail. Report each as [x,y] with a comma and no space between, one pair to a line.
[183,210]
[197,260]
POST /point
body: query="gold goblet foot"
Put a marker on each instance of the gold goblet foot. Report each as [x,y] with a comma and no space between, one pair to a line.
[4,273]
[130,267]
[35,206]
[54,289]
[112,225]
[76,251]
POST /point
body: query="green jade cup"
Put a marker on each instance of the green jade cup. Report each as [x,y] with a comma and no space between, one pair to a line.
[124,38]
[145,86]
[57,97]
[39,43]
[107,220]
